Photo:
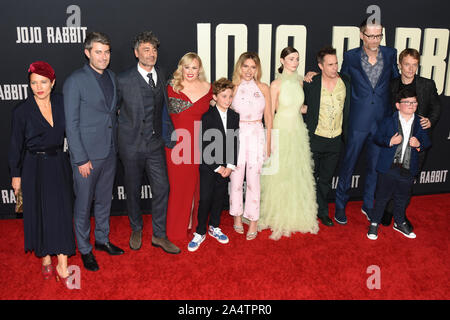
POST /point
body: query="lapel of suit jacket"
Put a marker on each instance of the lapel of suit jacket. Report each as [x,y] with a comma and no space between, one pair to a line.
[230,124]
[416,126]
[357,61]
[114,99]
[386,64]
[137,79]
[218,119]
[317,91]
[395,120]
[95,83]
[420,87]
[163,85]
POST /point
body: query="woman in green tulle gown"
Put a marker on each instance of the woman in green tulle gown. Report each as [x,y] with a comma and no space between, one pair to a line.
[288,196]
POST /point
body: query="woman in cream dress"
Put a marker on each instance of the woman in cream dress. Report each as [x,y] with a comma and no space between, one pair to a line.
[288,196]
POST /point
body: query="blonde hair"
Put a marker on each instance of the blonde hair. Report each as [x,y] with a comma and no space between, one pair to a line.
[237,67]
[178,74]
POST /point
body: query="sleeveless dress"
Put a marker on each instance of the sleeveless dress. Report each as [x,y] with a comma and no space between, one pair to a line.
[249,102]
[288,195]
[183,163]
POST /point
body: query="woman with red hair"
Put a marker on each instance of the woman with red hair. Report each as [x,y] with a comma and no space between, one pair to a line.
[41,170]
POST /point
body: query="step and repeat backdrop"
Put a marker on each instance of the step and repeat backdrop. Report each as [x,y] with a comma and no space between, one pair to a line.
[219,31]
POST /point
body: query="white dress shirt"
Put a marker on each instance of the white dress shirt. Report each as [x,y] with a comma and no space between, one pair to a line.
[144,74]
[223,116]
[406,129]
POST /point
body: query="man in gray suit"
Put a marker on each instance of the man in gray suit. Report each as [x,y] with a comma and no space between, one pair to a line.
[144,128]
[90,99]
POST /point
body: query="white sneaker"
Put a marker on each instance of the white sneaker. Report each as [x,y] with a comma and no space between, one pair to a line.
[218,234]
[196,242]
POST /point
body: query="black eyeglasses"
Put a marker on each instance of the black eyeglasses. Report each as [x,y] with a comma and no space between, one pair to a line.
[411,103]
[374,36]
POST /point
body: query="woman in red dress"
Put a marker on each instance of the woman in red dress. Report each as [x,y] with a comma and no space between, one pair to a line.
[189,97]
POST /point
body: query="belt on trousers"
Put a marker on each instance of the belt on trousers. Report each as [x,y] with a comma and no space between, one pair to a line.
[46,152]
[403,171]
[396,165]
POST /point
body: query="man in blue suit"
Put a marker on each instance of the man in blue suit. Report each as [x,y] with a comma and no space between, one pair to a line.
[370,67]
[90,101]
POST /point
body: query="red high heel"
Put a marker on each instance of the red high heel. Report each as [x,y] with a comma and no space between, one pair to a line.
[47,271]
[64,281]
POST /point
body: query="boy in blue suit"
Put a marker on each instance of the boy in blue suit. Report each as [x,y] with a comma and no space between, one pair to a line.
[401,138]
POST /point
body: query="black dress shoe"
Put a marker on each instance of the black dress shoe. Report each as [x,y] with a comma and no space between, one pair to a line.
[326,221]
[110,248]
[89,262]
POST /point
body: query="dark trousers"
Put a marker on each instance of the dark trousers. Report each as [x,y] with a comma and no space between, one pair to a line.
[213,189]
[396,185]
[390,205]
[326,157]
[96,187]
[153,164]
[355,143]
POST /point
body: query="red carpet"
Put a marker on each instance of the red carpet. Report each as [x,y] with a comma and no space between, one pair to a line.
[330,265]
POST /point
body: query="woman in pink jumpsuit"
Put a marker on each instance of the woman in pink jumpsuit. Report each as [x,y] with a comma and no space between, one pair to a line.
[252,102]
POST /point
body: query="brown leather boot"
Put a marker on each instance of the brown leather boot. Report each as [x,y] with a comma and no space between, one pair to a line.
[165,244]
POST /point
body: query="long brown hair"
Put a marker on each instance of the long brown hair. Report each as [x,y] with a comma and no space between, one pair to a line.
[284,53]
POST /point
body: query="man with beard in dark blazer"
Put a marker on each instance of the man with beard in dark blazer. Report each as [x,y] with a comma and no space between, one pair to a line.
[144,129]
